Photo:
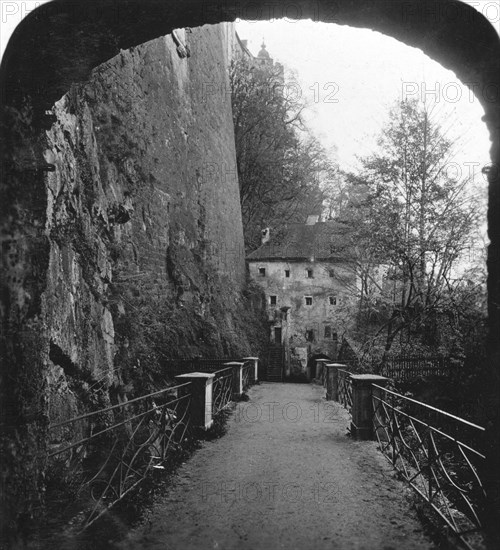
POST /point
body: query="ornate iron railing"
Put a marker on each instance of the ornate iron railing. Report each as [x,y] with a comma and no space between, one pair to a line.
[345,389]
[323,376]
[247,375]
[405,368]
[183,366]
[222,389]
[437,454]
[105,454]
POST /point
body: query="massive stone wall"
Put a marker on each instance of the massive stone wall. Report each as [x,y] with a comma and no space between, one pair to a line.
[138,252]
[138,200]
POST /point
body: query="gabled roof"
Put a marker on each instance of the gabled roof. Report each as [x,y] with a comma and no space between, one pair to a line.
[325,241]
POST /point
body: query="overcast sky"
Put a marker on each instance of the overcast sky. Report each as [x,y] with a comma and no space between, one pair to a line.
[349,77]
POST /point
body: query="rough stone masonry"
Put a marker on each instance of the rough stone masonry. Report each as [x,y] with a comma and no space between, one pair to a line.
[139,225]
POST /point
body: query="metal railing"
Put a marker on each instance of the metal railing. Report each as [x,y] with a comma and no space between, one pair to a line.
[105,454]
[95,459]
[247,374]
[184,366]
[345,389]
[222,389]
[323,376]
[406,368]
[437,454]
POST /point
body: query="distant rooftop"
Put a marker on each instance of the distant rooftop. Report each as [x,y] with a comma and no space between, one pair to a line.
[243,45]
[312,220]
[327,241]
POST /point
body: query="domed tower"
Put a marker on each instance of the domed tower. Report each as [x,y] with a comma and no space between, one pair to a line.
[264,60]
[263,56]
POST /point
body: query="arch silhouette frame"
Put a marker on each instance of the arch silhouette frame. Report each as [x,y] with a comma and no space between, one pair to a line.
[61,42]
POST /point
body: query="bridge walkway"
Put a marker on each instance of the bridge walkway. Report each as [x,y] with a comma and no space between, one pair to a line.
[284,476]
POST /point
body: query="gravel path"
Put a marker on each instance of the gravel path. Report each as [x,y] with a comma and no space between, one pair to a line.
[284,476]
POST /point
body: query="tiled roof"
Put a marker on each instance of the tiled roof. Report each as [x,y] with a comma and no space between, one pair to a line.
[322,241]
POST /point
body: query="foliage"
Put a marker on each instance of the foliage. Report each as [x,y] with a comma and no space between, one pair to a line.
[279,163]
[412,225]
[155,324]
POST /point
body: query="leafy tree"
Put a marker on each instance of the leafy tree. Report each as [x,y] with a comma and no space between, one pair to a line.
[337,193]
[409,213]
[278,161]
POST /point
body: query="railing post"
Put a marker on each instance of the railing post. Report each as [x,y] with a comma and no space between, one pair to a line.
[255,367]
[201,397]
[332,380]
[362,406]
[237,378]
[319,367]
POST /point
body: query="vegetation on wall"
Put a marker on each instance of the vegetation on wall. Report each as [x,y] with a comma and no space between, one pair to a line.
[155,324]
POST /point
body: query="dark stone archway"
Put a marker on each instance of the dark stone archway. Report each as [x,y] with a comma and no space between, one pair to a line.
[61,42]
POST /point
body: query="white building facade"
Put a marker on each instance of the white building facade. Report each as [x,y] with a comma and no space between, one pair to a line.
[309,284]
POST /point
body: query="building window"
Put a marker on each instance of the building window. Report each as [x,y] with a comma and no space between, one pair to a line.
[309,273]
[262,271]
[310,335]
[309,300]
[333,300]
[328,331]
[331,273]
[272,300]
[287,273]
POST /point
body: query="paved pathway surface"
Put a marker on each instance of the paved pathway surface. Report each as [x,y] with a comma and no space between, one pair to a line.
[284,476]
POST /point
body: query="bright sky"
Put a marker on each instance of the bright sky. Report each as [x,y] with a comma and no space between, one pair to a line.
[349,77]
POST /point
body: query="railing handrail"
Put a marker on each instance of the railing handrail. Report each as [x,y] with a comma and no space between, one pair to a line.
[406,367]
[344,371]
[185,366]
[404,357]
[125,442]
[218,373]
[122,423]
[431,427]
[430,407]
[443,469]
[113,407]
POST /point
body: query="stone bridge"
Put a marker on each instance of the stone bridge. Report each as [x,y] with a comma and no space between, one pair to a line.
[298,467]
[286,475]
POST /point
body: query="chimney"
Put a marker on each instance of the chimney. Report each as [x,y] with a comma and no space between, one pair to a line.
[312,220]
[266,235]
